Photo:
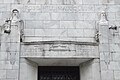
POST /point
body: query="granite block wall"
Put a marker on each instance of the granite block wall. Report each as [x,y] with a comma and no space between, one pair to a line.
[70,20]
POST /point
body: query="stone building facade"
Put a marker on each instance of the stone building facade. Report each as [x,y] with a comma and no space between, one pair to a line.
[63,33]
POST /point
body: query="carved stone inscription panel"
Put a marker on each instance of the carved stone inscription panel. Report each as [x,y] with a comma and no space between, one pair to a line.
[59,50]
[52,8]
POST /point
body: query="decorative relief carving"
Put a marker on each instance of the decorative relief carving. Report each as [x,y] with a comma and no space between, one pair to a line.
[12,58]
[13,22]
[32,50]
[7,26]
[97,36]
[15,17]
[52,8]
[103,20]
[59,47]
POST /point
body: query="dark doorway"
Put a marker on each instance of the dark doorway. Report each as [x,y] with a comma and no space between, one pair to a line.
[58,73]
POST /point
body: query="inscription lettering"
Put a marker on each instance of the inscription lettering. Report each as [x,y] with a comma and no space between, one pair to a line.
[58,50]
[52,8]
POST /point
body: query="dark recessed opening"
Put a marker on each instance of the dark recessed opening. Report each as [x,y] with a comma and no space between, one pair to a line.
[58,73]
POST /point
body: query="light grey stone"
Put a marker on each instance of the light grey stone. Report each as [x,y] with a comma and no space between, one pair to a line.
[85,24]
[114,65]
[103,65]
[90,16]
[33,24]
[29,32]
[117,2]
[43,16]
[68,24]
[104,48]
[116,56]
[111,16]
[28,16]
[39,25]
[16,65]
[88,8]
[27,1]
[41,32]
[90,31]
[113,8]
[2,74]
[106,1]
[32,8]
[75,32]
[5,15]
[117,73]
[57,1]
[1,1]
[66,2]
[30,24]
[5,65]
[90,2]
[117,16]
[29,69]
[12,74]
[7,1]
[107,75]
[5,7]
[62,20]
[3,55]
[67,16]
[89,71]
[32,39]
[19,7]
[43,2]
[51,24]
[0,16]
[99,8]
[114,47]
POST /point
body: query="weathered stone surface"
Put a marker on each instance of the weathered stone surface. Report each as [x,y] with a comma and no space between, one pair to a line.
[62,20]
[59,50]
[5,65]
[29,69]
[114,65]
[2,74]
[117,73]
[116,56]
[12,74]
[107,75]
[90,70]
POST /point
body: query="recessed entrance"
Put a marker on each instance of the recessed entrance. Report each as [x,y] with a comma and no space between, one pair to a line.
[58,73]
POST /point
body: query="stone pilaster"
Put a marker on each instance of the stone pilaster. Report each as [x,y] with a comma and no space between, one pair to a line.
[10,46]
[104,48]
